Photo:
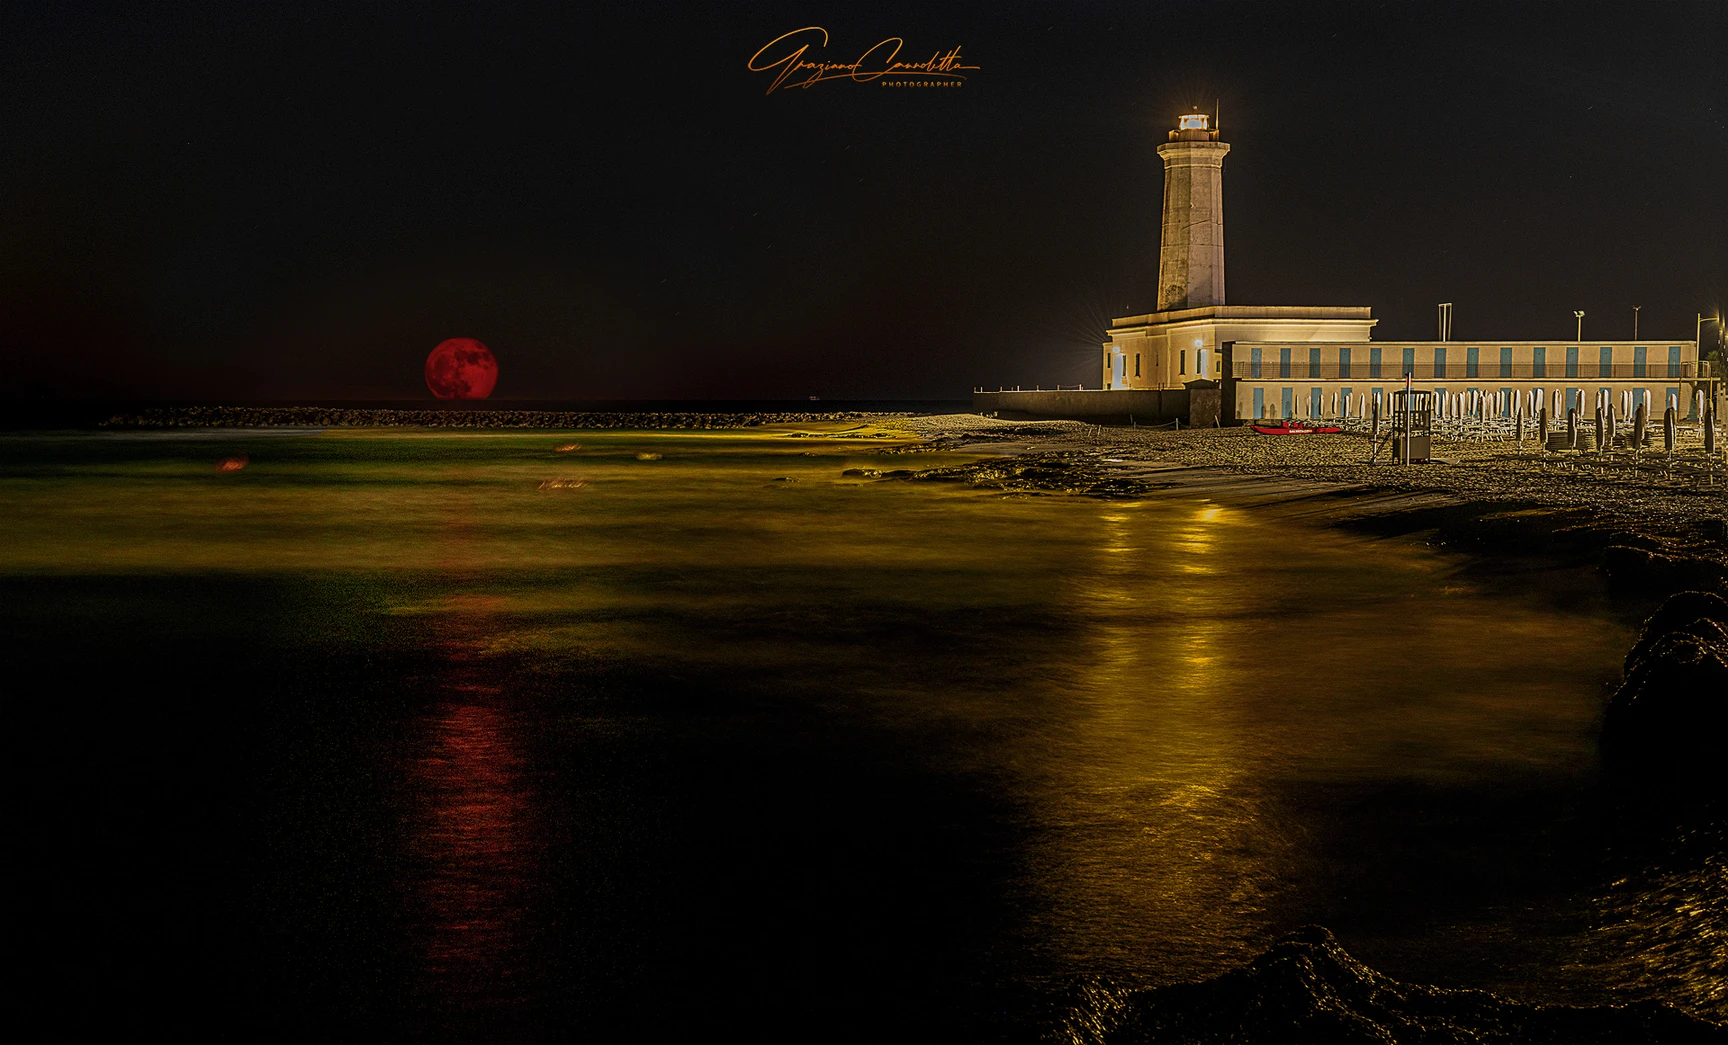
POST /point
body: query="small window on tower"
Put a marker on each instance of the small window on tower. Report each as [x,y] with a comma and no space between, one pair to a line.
[1183,362]
[1136,364]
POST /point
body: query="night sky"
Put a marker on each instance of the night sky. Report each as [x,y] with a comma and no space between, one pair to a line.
[249,201]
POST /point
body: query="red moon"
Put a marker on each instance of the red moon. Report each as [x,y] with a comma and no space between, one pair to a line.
[461,368]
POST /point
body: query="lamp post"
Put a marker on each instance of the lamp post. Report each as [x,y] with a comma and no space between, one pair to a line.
[1698,344]
[1698,332]
[1580,317]
[1635,309]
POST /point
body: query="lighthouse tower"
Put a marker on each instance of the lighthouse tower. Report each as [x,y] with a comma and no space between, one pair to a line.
[1191,261]
[1194,336]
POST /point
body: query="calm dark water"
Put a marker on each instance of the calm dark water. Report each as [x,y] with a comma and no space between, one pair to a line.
[376,737]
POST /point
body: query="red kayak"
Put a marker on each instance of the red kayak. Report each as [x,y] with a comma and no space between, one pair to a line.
[1294,428]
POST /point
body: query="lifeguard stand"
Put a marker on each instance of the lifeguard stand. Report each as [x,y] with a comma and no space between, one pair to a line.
[1412,426]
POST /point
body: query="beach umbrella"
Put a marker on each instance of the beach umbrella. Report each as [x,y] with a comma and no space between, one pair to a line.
[1668,429]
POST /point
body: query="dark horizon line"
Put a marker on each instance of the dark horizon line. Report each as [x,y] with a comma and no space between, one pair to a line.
[16,414]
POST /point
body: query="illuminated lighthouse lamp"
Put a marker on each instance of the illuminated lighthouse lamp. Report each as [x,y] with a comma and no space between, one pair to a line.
[1194,121]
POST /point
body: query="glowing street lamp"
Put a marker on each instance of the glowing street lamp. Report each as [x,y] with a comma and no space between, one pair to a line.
[1698,332]
[1635,309]
[1580,317]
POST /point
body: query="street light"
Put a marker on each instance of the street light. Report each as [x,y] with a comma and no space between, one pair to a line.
[1698,332]
[1580,318]
[1635,309]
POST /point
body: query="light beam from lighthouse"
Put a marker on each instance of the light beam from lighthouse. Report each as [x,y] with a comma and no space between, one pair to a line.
[1191,256]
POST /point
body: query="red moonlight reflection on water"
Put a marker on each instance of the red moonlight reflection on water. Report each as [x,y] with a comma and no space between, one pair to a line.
[461,368]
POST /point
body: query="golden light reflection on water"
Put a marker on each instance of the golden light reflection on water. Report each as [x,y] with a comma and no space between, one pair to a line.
[1154,756]
[1190,661]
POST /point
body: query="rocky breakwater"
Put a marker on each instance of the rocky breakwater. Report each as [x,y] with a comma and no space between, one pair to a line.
[1667,725]
[342,417]
[1307,988]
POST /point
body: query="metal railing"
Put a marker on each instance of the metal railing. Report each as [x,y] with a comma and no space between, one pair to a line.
[1394,370]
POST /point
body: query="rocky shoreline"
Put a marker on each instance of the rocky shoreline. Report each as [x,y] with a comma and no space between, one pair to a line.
[1307,988]
[1651,524]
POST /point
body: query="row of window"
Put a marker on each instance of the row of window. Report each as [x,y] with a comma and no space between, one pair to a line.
[1472,363]
[1574,400]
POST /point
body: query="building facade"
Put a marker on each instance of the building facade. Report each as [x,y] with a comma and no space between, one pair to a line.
[1315,361]
[1170,349]
[1180,342]
[1295,378]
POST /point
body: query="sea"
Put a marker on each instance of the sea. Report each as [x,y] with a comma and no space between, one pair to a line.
[516,735]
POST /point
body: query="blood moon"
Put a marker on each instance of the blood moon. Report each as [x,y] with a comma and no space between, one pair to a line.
[461,368]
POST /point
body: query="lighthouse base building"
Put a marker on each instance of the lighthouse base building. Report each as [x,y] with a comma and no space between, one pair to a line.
[1200,360]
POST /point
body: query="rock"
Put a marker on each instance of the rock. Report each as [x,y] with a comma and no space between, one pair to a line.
[1307,988]
[861,473]
[1666,725]
[1642,568]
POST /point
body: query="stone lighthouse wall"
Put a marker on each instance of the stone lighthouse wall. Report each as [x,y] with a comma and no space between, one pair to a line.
[1191,258]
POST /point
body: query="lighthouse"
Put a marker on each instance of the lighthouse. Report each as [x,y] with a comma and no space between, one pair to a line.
[1186,339]
[1191,260]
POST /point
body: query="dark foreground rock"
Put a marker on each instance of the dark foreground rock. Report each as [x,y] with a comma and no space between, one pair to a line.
[1306,988]
[1667,724]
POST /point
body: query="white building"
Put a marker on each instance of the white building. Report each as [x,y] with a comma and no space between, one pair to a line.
[1309,361]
